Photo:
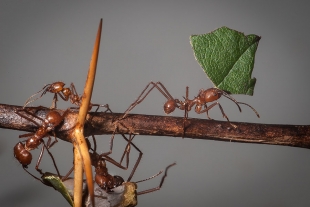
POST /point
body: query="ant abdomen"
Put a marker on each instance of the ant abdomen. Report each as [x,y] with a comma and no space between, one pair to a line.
[22,155]
[170,106]
[118,180]
[105,182]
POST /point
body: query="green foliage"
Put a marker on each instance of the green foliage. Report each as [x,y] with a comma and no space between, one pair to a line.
[227,57]
[56,182]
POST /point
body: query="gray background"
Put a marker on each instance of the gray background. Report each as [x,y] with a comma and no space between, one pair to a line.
[44,42]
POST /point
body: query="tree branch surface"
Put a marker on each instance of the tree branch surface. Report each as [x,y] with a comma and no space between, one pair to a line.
[105,123]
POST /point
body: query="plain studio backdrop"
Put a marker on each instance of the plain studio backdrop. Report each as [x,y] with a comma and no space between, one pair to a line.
[143,41]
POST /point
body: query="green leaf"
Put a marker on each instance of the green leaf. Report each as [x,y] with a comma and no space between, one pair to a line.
[227,57]
[58,185]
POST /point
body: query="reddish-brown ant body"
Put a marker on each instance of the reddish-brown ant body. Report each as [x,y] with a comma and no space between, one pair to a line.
[107,182]
[65,94]
[48,124]
[201,100]
[98,161]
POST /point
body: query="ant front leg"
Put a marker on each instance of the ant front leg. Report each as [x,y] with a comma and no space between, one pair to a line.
[99,105]
[18,112]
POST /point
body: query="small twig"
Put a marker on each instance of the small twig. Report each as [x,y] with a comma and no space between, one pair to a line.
[102,123]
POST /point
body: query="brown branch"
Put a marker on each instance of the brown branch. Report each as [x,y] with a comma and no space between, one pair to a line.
[103,123]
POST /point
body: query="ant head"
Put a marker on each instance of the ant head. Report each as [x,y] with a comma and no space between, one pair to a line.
[53,118]
[211,94]
[170,106]
[22,155]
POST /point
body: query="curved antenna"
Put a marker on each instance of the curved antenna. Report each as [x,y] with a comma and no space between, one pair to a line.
[28,101]
[231,98]
[257,114]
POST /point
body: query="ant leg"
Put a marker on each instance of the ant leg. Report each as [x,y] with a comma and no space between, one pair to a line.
[18,112]
[25,135]
[41,155]
[141,97]
[224,115]
[63,96]
[185,111]
[95,144]
[127,151]
[49,144]
[207,112]
[35,177]
[63,178]
[74,97]
[54,103]
[160,184]
[106,106]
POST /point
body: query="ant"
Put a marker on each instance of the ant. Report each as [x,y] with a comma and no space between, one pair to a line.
[201,100]
[129,189]
[108,182]
[48,124]
[65,94]
[102,177]
[123,193]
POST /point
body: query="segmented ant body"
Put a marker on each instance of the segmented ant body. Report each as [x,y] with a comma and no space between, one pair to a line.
[108,182]
[102,177]
[34,140]
[200,101]
[123,194]
[58,89]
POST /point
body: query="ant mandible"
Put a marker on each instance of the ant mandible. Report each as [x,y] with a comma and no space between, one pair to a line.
[65,94]
[201,100]
[48,124]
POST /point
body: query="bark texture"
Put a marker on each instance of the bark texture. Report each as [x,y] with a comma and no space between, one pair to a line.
[106,123]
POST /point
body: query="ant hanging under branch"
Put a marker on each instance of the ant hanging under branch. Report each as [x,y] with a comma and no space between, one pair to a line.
[200,101]
[98,161]
[48,124]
